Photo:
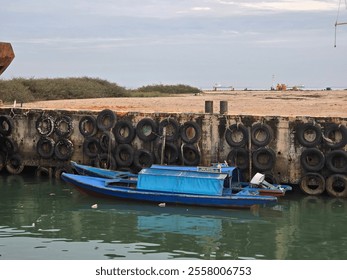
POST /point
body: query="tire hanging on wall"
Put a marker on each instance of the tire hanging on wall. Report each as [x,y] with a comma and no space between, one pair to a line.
[190,132]
[236,135]
[91,146]
[124,155]
[45,125]
[172,129]
[238,157]
[60,169]
[63,149]
[106,119]
[143,159]
[87,126]
[336,161]
[14,164]
[42,171]
[6,125]
[107,141]
[45,147]
[124,132]
[312,183]
[312,159]
[335,136]
[171,153]
[8,145]
[147,130]
[308,135]
[336,185]
[262,134]
[63,126]
[106,161]
[190,155]
[263,159]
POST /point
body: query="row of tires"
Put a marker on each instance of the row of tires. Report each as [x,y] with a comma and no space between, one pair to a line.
[331,139]
[263,158]
[333,136]
[126,156]
[237,135]
[9,157]
[314,160]
[315,184]
[146,129]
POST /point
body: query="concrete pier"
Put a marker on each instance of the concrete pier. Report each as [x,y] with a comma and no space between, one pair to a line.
[306,151]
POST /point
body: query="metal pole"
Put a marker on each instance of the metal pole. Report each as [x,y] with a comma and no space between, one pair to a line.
[209,107]
[163,146]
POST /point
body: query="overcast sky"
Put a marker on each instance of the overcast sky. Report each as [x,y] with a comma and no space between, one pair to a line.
[133,43]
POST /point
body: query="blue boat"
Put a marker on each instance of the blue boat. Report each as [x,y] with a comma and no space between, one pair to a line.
[171,186]
[100,172]
[233,179]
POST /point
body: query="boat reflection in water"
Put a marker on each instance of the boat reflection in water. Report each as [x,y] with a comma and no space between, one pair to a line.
[48,220]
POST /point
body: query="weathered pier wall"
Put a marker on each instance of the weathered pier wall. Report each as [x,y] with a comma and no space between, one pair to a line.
[310,152]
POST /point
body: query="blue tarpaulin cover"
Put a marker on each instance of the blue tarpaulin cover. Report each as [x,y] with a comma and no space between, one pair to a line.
[181,181]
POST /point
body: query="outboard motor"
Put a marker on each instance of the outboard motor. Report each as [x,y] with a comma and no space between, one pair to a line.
[259,180]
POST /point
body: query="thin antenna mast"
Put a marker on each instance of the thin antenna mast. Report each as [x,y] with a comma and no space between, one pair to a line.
[337,18]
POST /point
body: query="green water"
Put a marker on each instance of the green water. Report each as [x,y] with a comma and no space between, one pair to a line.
[47,219]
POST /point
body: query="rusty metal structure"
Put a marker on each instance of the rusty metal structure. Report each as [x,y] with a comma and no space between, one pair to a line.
[6,56]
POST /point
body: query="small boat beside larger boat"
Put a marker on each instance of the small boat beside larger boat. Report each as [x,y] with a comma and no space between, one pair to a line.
[233,179]
[201,186]
[171,186]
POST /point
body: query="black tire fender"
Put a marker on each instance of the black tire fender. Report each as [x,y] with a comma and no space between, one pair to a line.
[143,159]
[106,161]
[171,153]
[124,131]
[42,171]
[336,161]
[262,134]
[312,159]
[305,131]
[263,159]
[8,145]
[124,155]
[107,141]
[106,119]
[312,183]
[172,129]
[329,136]
[6,125]
[63,149]
[63,126]
[45,125]
[60,169]
[190,128]
[238,157]
[14,164]
[91,146]
[147,130]
[45,147]
[87,126]
[190,155]
[336,185]
[236,135]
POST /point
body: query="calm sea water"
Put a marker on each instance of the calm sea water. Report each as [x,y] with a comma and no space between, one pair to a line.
[44,218]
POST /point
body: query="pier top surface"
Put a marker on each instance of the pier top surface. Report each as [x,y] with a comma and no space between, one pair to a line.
[311,103]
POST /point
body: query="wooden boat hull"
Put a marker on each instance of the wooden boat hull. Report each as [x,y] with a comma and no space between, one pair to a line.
[108,188]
